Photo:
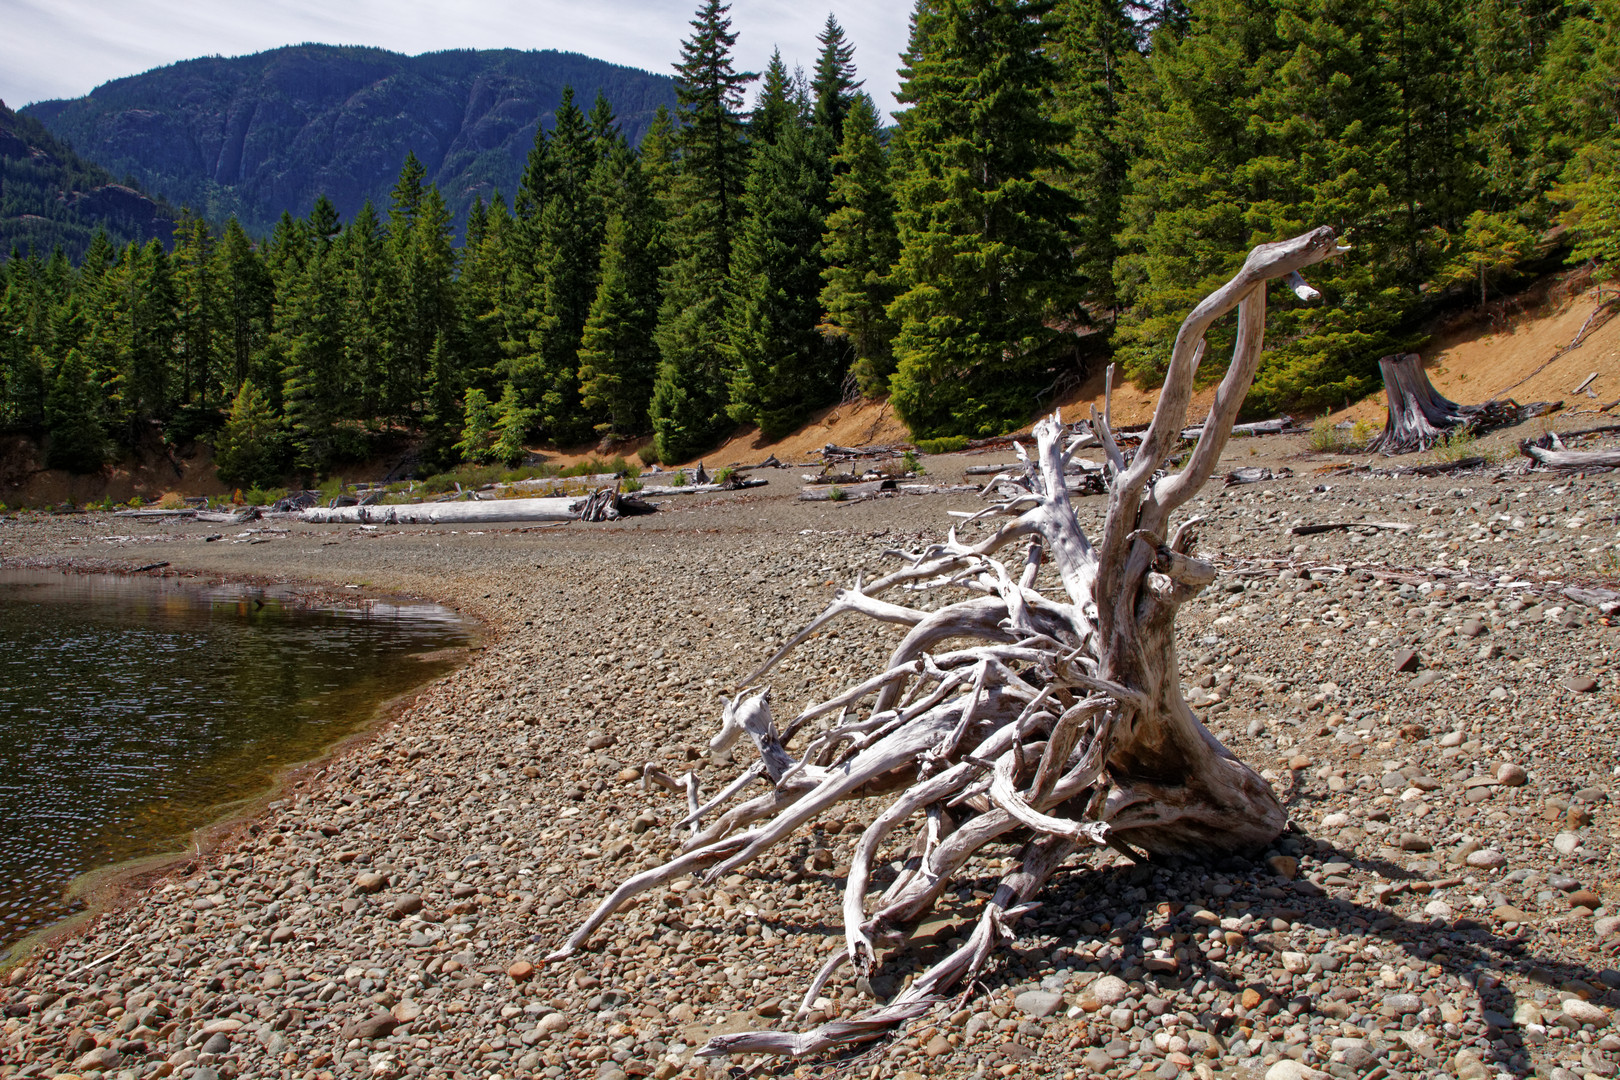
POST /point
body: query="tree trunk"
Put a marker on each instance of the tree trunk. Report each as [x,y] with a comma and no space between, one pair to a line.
[1418,416]
[594,507]
[1055,718]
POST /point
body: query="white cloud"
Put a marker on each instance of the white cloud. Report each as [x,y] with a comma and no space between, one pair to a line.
[65,48]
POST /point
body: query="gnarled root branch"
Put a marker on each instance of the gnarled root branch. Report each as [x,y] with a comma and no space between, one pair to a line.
[1056,719]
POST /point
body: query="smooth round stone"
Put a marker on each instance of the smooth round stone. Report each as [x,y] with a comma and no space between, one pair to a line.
[1110,990]
[1487,859]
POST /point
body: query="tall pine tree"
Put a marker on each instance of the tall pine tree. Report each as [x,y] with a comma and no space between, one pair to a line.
[986,259]
[860,246]
[689,396]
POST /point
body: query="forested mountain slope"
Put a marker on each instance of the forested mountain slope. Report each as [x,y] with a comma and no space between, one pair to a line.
[255,135]
[51,197]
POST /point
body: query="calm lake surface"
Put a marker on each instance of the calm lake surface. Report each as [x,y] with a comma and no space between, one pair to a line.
[133,710]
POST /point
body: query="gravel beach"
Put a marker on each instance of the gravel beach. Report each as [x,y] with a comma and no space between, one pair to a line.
[1439,718]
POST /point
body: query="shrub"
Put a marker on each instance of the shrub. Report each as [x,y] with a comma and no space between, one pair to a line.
[264,496]
[648,454]
[836,494]
[1324,437]
[172,500]
[724,476]
[679,481]
[630,484]
[1462,443]
[911,463]
[948,444]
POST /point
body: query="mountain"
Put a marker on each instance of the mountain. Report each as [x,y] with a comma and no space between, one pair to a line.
[256,135]
[50,196]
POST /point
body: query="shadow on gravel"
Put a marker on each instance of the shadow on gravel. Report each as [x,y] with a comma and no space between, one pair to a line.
[1107,907]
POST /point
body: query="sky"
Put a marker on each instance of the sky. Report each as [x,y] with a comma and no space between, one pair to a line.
[66,48]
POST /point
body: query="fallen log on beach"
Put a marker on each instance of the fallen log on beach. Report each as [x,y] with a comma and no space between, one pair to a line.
[601,505]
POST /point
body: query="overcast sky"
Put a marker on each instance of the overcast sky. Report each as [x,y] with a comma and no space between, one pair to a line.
[66,48]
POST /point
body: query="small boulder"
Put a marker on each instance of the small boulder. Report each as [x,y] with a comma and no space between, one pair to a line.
[1406,660]
[371,882]
[522,971]
[1584,1012]
[378,1025]
[1110,990]
[408,904]
[1038,1003]
[1510,775]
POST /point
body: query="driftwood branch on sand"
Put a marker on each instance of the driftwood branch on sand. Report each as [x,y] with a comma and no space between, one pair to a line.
[603,504]
[1054,718]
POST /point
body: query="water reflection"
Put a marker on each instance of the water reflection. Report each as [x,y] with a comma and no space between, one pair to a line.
[131,709]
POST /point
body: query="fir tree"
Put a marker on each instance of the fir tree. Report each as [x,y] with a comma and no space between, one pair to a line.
[311,323]
[835,87]
[570,253]
[247,297]
[986,242]
[782,368]
[78,441]
[618,356]
[860,247]
[247,451]
[1095,50]
[199,311]
[477,442]
[688,404]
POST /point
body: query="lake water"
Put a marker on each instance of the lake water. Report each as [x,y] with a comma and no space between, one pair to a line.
[133,710]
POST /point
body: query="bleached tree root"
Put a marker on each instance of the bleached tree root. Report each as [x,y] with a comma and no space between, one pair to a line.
[1053,720]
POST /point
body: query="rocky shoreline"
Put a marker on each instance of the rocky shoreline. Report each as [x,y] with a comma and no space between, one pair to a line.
[1437,715]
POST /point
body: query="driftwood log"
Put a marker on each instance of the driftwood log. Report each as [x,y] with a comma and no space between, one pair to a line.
[1548,452]
[604,504]
[1052,719]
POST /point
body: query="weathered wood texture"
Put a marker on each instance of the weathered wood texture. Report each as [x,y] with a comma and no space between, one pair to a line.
[1418,415]
[594,507]
[1054,717]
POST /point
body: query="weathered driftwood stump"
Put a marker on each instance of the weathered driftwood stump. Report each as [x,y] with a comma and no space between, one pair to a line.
[1011,713]
[1549,452]
[1418,415]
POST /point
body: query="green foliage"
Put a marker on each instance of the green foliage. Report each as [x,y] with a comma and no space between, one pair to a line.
[860,246]
[946,444]
[688,407]
[618,355]
[1591,195]
[986,240]
[248,450]
[782,368]
[911,463]
[78,441]
[1490,248]
[477,427]
[836,494]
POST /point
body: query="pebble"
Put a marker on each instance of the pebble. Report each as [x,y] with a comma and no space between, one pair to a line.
[1565,843]
[1110,990]
[1038,1003]
[1586,1013]
[1509,775]
[479,801]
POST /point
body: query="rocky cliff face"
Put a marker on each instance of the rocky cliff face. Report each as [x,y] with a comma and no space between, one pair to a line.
[51,197]
[256,135]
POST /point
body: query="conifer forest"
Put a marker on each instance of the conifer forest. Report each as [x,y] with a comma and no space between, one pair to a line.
[1061,181]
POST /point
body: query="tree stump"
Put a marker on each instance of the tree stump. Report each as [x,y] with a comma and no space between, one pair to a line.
[1054,717]
[1418,415]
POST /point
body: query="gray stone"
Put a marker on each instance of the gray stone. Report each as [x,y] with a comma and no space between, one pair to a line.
[1403,1004]
[1038,1003]
[218,1043]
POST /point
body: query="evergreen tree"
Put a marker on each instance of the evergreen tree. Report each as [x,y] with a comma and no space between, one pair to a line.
[860,247]
[688,404]
[986,242]
[422,271]
[657,155]
[481,291]
[78,441]
[835,87]
[477,442]
[1095,48]
[310,320]
[570,254]
[199,312]
[247,297]
[134,335]
[369,286]
[618,356]
[782,368]
[248,448]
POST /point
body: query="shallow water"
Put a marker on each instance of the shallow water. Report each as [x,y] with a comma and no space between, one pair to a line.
[133,710]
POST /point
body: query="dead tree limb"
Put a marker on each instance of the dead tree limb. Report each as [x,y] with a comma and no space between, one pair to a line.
[1053,720]
[1548,452]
